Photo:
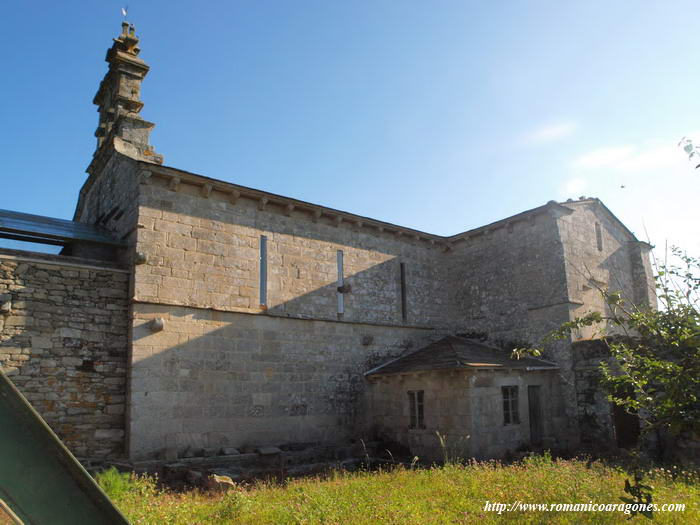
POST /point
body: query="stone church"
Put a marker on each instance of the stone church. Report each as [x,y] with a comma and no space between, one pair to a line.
[187,313]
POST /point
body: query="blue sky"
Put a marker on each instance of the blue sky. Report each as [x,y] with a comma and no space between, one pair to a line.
[442,115]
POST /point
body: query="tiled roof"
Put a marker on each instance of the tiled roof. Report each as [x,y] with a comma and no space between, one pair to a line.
[455,352]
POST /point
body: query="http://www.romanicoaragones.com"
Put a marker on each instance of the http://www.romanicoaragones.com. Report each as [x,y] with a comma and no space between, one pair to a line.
[625,508]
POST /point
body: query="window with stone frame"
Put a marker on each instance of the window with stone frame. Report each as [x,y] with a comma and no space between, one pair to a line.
[510,405]
[598,237]
[415,406]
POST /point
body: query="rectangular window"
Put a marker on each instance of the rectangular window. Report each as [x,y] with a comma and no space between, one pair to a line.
[415,406]
[510,405]
[404,312]
[598,237]
[263,271]
[341,284]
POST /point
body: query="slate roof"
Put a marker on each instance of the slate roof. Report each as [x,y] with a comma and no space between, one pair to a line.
[454,352]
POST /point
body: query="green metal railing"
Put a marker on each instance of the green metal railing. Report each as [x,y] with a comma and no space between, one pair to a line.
[41,483]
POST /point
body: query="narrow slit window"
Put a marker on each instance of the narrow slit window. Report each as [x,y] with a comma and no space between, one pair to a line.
[263,271]
[415,407]
[598,237]
[510,405]
[404,310]
[341,284]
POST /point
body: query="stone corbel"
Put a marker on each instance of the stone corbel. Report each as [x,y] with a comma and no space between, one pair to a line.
[206,190]
[157,324]
[262,203]
[316,215]
[338,220]
[174,184]
[146,177]
[234,196]
[288,209]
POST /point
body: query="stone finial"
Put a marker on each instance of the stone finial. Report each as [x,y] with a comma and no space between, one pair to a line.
[128,41]
[118,99]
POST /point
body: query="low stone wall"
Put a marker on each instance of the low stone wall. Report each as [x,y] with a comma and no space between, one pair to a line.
[63,342]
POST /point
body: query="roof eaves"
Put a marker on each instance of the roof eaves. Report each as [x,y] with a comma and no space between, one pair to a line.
[170,172]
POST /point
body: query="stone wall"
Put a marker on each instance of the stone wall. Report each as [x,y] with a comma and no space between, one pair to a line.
[109,199]
[601,254]
[466,408]
[205,252]
[508,281]
[291,370]
[594,410]
[63,343]
[510,285]
[213,379]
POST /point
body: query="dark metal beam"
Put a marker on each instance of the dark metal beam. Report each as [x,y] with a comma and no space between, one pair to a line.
[48,230]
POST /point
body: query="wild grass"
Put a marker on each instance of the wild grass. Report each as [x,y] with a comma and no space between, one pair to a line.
[454,493]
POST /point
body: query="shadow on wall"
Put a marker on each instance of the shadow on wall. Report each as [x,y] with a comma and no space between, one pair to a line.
[207,378]
[220,242]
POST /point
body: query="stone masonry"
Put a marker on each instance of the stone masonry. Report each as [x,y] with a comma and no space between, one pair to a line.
[63,342]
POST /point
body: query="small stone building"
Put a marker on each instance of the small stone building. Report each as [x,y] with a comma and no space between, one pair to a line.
[186,312]
[463,398]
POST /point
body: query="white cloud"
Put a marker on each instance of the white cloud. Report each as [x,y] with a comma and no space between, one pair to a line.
[574,186]
[550,133]
[604,157]
[649,185]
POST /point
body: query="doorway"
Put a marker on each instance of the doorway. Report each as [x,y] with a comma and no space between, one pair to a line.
[535,413]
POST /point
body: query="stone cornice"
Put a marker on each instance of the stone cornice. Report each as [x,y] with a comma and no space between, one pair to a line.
[286,205]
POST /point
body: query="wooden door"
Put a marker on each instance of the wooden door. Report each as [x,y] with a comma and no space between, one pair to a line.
[626,427]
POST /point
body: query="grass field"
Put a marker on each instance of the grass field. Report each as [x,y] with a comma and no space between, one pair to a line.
[448,494]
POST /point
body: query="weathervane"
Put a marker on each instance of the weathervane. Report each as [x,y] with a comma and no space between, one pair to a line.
[125,10]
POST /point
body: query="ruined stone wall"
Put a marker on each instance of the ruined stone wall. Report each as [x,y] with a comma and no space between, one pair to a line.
[204,252]
[466,408]
[213,379]
[63,343]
